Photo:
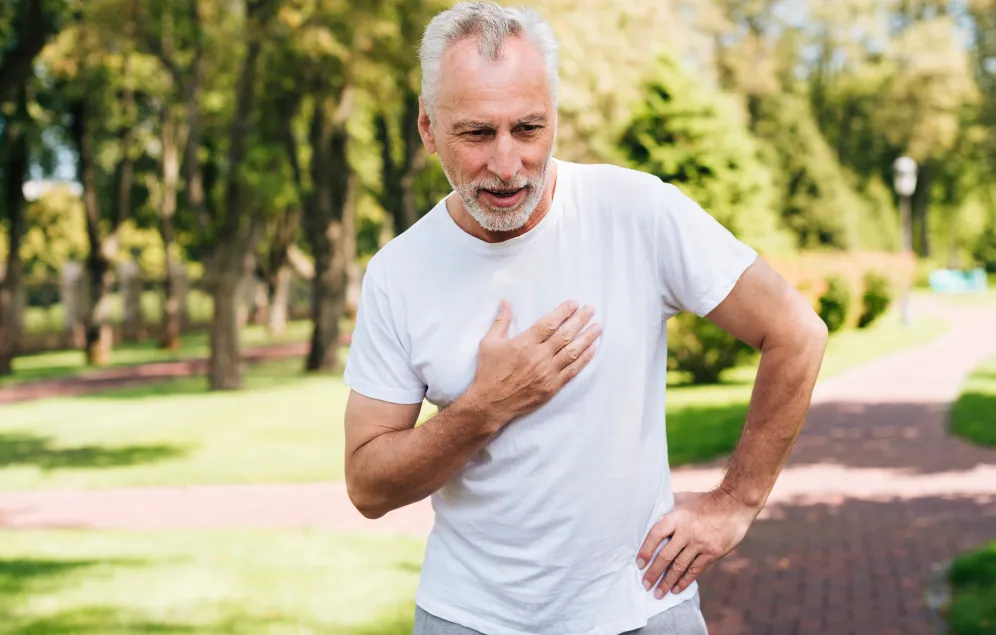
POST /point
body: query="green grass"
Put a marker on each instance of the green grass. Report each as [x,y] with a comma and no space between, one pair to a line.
[299,582]
[57,364]
[47,319]
[704,422]
[973,415]
[973,606]
[286,427]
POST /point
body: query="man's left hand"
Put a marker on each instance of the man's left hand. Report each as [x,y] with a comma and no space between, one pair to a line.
[703,527]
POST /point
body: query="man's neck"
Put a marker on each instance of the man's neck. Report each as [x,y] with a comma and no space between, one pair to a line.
[467,223]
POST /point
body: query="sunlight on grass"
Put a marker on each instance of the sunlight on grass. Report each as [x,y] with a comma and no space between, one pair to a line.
[973,415]
[289,582]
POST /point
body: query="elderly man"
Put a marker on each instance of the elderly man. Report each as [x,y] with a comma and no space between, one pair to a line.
[530,305]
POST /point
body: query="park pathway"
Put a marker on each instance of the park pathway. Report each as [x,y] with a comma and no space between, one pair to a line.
[875,495]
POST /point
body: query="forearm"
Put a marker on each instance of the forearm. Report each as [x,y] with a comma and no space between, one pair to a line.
[779,402]
[398,468]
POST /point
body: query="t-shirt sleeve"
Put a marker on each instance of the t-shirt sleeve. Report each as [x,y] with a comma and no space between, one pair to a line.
[378,365]
[699,260]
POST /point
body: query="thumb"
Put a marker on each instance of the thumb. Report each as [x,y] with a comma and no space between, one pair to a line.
[499,328]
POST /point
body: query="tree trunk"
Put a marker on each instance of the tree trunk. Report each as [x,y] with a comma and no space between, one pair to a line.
[97,334]
[279,291]
[398,177]
[171,324]
[33,28]
[331,232]
[240,226]
[14,172]
[226,358]
[921,206]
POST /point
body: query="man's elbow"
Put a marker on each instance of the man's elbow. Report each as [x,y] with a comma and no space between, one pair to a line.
[365,501]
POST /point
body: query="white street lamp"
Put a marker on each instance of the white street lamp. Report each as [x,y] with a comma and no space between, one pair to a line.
[904,178]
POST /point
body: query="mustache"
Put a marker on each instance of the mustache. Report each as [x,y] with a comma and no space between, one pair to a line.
[500,186]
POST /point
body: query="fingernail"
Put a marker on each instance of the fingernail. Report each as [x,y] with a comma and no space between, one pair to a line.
[646,584]
[640,563]
[659,593]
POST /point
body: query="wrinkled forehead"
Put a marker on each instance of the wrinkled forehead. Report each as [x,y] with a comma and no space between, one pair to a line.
[512,87]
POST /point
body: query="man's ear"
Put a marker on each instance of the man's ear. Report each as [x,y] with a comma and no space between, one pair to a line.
[425,128]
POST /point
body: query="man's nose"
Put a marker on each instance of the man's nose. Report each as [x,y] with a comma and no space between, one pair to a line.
[505,161]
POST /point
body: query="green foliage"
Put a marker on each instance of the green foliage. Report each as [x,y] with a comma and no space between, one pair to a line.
[985,248]
[875,299]
[835,304]
[700,348]
[691,136]
[973,578]
[817,197]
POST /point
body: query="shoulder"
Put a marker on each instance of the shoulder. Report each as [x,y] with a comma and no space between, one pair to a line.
[614,180]
[626,193]
[405,252]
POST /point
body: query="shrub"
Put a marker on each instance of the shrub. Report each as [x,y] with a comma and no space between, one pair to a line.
[835,304]
[702,349]
[876,299]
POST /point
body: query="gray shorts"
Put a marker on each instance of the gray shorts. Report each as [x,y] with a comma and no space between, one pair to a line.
[682,619]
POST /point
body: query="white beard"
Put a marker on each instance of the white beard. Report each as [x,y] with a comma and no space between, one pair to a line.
[504,219]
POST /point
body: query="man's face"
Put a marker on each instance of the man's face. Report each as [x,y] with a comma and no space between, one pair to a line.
[494,128]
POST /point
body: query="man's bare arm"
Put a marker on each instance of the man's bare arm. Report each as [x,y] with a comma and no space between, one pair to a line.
[391,463]
[771,316]
[764,311]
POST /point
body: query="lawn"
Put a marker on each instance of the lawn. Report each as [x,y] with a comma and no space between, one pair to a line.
[56,364]
[973,415]
[288,428]
[973,579]
[286,582]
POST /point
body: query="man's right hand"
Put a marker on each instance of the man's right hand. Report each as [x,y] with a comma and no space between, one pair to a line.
[518,375]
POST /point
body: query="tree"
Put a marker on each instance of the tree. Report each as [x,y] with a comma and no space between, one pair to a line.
[240,220]
[180,133]
[33,23]
[14,167]
[101,109]
[690,136]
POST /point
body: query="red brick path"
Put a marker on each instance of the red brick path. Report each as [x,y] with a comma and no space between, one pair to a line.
[875,494]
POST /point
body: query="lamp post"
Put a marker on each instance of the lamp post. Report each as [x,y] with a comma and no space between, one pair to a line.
[904,177]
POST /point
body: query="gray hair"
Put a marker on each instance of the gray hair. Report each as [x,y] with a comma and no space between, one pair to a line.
[492,24]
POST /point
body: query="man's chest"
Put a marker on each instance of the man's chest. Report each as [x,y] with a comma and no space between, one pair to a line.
[446,328]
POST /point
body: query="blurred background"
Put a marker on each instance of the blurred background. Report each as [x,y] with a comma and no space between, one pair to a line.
[189,193]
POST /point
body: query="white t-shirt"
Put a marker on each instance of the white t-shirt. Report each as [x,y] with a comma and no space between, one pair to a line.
[538,533]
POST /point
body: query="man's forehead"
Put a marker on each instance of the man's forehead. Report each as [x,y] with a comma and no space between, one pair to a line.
[515,85]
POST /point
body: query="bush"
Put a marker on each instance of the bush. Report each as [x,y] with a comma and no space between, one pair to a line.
[702,349]
[876,299]
[985,249]
[835,304]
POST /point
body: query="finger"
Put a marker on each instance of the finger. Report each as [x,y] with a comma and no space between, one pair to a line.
[575,367]
[573,351]
[567,331]
[499,328]
[548,324]
[664,560]
[661,530]
[678,568]
[695,569]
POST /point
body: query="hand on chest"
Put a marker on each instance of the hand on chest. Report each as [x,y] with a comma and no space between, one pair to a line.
[447,329]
